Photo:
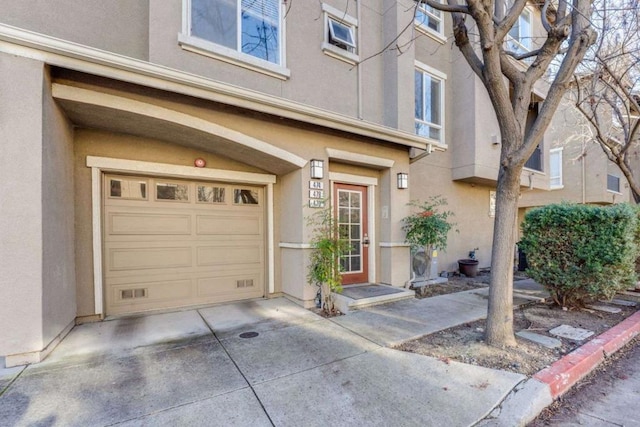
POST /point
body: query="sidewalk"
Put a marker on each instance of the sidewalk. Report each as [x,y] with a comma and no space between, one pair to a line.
[270,362]
[192,367]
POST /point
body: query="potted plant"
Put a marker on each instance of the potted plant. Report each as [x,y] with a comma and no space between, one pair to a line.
[469,266]
[428,227]
[327,247]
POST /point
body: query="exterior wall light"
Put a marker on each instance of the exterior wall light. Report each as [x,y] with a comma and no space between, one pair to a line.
[403,181]
[317,169]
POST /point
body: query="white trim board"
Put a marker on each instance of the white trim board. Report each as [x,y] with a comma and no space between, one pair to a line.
[100,165]
[359,159]
[122,104]
[348,178]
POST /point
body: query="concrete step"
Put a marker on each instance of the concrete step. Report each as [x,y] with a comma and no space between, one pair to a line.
[355,297]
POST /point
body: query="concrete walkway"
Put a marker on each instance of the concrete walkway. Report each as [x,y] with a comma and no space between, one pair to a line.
[195,368]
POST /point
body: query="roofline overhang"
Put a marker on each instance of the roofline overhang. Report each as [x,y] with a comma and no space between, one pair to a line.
[74,56]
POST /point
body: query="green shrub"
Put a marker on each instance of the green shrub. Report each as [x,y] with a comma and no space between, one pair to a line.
[581,253]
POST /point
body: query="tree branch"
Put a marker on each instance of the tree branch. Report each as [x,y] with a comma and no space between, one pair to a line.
[510,19]
[453,8]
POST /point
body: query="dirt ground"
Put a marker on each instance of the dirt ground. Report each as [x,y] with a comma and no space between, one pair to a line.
[465,343]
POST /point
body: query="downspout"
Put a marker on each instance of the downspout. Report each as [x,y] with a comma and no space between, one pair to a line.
[358,71]
[582,170]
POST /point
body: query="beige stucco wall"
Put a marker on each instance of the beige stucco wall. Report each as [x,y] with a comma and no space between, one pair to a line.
[312,72]
[21,226]
[119,26]
[58,235]
[469,202]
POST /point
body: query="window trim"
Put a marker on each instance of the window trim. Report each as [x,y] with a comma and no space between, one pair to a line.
[558,150]
[330,13]
[518,41]
[233,56]
[442,77]
[425,29]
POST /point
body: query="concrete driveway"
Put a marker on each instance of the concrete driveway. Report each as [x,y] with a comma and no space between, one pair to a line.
[195,368]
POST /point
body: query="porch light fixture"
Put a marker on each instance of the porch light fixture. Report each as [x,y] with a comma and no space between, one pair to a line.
[317,169]
[403,181]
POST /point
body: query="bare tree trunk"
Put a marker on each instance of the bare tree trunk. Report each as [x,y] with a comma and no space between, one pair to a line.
[500,313]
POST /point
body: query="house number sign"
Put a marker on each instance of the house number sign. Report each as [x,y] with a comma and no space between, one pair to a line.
[315,203]
[316,194]
[316,185]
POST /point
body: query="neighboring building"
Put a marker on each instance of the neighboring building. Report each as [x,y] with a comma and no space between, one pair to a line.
[107,107]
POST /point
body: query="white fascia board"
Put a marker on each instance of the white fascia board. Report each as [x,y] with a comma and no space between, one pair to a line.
[176,171]
[62,53]
[360,159]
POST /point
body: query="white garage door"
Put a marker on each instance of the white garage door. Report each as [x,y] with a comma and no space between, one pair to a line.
[172,243]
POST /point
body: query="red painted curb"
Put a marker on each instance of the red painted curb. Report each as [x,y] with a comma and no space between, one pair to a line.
[616,337]
[564,373]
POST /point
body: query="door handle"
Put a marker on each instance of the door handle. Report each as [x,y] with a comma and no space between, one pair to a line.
[365,241]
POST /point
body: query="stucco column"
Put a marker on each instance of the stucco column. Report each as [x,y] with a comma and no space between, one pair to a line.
[21,248]
[37,273]
[394,253]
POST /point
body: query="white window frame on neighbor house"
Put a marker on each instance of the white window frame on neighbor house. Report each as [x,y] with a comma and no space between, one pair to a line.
[441,77]
[423,14]
[555,179]
[523,41]
[333,16]
[235,56]
[102,165]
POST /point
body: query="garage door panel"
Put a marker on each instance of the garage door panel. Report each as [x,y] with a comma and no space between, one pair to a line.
[244,255]
[227,285]
[166,253]
[224,225]
[150,292]
[120,223]
[124,259]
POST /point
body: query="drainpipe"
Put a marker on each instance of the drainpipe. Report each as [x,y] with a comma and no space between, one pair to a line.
[358,71]
[582,170]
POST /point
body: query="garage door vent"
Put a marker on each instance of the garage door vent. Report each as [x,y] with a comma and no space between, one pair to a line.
[133,293]
[247,283]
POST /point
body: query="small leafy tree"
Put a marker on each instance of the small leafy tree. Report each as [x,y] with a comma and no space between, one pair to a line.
[328,246]
[428,227]
[581,253]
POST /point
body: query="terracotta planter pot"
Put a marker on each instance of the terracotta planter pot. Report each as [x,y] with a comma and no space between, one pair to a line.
[468,267]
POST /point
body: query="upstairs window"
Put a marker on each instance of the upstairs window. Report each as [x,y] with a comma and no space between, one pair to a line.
[519,38]
[340,34]
[250,27]
[535,161]
[613,183]
[429,18]
[429,103]
[555,168]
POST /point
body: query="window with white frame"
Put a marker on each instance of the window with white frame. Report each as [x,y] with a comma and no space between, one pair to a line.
[341,35]
[249,27]
[555,168]
[340,39]
[519,38]
[429,19]
[429,103]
